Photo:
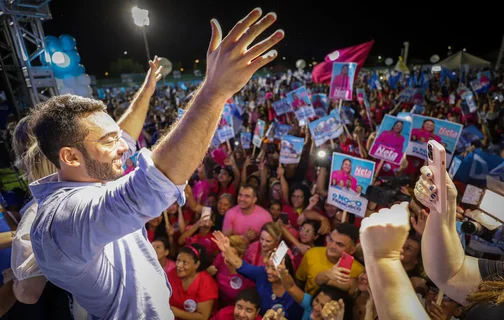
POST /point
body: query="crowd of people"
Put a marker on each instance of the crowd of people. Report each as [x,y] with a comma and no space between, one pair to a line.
[216,239]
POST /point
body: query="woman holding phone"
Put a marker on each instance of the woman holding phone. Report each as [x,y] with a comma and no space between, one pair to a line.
[267,279]
[269,238]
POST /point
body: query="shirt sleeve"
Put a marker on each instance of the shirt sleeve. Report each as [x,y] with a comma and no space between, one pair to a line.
[93,216]
[491,269]
[23,262]
[252,272]
[301,271]
[208,289]
[306,303]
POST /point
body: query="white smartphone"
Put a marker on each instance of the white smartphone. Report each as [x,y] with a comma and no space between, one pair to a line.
[206,212]
[436,158]
[280,253]
[492,203]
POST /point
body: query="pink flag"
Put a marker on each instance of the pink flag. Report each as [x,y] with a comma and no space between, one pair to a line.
[322,72]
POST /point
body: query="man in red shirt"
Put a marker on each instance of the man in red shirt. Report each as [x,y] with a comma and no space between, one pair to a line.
[247,307]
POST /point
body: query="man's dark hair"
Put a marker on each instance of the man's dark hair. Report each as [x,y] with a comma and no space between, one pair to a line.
[250,295]
[56,123]
[249,186]
[349,230]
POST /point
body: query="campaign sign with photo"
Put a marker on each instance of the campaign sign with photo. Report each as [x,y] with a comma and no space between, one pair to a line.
[258,133]
[342,80]
[290,149]
[391,140]
[484,79]
[350,177]
[455,165]
[319,100]
[469,98]
[347,114]
[469,135]
[301,104]
[281,130]
[245,139]
[319,112]
[282,107]
[325,128]
[406,95]
[424,129]
[362,98]
[226,131]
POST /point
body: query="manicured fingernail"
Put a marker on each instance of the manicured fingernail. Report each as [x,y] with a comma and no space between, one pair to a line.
[433,196]
[428,174]
[257,11]
[280,34]
[431,188]
[272,15]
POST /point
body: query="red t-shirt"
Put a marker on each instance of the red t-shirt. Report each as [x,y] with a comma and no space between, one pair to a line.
[220,191]
[206,241]
[227,313]
[202,289]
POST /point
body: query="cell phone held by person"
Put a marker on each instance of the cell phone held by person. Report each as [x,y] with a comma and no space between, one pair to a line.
[346,261]
[206,213]
[280,253]
[436,158]
[284,217]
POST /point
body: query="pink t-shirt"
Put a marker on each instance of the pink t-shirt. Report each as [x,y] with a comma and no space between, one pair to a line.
[340,175]
[390,139]
[169,266]
[253,255]
[239,223]
[424,135]
[230,285]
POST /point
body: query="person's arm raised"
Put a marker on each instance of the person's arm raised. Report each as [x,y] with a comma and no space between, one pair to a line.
[230,66]
[133,119]
[443,256]
[382,236]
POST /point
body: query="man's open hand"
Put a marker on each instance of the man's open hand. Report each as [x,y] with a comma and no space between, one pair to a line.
[230,63]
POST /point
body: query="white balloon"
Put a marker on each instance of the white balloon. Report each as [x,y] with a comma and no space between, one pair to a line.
[300,64]
[61,59]
[70,82]
[435,58]
[66,90]
[389,61]
[167,66]
[84,80]
[90,91]
[334,55]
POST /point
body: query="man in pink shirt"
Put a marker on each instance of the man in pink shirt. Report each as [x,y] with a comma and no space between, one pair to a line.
[246,218]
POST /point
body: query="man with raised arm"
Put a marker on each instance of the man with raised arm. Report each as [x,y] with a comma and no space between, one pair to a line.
[88,235]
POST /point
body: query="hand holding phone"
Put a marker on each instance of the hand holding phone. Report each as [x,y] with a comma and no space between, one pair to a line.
[284,217]
[346,261]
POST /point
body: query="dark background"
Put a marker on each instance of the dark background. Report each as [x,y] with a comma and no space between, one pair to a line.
[180,30]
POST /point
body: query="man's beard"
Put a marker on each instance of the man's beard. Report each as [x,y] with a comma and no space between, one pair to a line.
[100,170]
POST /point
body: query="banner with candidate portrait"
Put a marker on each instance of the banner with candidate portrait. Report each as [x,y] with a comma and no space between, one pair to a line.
[391,140]
[282,106]
[406,95]
[349,179]
[362,98]
[485,79]
[258,133]
[281,130]
[319,100]
[470,100]
[325,128]
[245,139]
[424,129]
[301,104]
[342,81]
[226,130]
[291,149]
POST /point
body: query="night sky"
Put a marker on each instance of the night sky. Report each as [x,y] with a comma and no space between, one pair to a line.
[180,30]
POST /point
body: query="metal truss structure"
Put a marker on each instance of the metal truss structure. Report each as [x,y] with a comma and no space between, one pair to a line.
[27,82]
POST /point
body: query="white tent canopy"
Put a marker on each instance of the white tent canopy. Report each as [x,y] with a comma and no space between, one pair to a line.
[463,58]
